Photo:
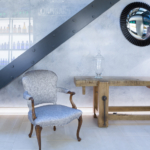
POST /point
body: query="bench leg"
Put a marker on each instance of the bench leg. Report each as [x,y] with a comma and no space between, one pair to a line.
[95,100]
[103,100]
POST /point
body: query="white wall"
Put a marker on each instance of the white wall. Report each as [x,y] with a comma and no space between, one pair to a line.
[75,58]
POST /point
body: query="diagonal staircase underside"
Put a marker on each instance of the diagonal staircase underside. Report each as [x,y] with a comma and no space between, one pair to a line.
[53,40]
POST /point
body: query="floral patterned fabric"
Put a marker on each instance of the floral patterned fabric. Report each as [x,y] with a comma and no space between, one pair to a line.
[54,115]
[26,95]
[42,86]
[62,90]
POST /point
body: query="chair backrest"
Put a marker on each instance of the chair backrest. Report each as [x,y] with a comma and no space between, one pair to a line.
[41,85]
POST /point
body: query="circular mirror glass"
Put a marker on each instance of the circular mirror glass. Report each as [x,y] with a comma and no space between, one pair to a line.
[138,23]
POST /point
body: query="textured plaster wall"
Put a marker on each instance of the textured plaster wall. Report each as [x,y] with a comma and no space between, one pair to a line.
[75,57]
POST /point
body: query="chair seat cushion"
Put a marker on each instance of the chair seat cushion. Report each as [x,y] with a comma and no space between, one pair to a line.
[54,115]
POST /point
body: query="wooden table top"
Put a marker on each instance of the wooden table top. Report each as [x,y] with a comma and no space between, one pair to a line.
[112,80]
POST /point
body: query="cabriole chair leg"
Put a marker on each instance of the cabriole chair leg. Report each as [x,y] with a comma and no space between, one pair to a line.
[38,130]
[31,131]
[79,127]
[54,128]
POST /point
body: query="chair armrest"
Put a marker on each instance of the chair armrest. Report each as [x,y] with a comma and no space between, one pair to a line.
[29,97]
[62,90]
[71,101]
[26,95]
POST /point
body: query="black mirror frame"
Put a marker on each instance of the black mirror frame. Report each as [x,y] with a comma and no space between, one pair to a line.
[123,26]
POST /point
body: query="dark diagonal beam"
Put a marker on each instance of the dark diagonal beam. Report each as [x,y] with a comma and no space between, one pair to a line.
[53,40]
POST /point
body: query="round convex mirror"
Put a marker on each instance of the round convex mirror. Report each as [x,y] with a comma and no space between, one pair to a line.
[135,23]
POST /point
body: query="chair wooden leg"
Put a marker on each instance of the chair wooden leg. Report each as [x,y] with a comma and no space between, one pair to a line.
[38,130]
[95,99]
[31,131]
[79,127]
[54,128]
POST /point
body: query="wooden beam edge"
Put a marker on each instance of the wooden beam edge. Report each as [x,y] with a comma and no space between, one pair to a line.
[128,117]
[128,108]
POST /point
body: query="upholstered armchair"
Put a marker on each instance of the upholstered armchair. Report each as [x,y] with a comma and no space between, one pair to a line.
[41,88]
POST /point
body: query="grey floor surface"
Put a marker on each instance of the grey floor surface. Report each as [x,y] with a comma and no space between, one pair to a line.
[120,135]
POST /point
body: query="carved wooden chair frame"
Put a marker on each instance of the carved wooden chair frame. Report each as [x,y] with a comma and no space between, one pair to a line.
[38,129]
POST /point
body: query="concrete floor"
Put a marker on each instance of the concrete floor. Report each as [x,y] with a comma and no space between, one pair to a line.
[120,135]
